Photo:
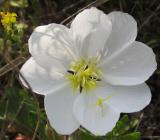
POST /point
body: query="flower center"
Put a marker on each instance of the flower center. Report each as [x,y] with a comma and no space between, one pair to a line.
[84,74]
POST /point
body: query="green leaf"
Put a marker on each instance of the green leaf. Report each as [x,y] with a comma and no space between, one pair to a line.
[85,135]
[131,136]
[22,110]
[124,129]
[121,126]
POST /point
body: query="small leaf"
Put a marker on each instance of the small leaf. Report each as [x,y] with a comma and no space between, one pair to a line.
[84,135]
[131,136]
[121,126]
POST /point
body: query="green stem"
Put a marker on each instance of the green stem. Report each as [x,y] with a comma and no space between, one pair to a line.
[66,137]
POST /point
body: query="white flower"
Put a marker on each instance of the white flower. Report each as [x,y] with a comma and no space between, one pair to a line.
[90,72]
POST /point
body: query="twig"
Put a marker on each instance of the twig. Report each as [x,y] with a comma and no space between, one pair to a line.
[148,19]
[38,110]
[95,3]
[36,129]
[35,98]
[63,11]
[12,65]
[151,137]
[72,6]
[140,120]
[17,113]
[2,133]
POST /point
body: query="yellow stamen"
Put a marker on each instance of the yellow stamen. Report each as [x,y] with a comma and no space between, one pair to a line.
[84,74]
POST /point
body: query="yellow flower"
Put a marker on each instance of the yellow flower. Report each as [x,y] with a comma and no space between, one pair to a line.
[8,19]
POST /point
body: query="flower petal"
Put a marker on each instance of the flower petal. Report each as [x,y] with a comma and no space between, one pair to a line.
[51,47]
[131,98]
[126,99]
[124,32]
[98,121]
[59,110]
[91,29]
[38,78]
[133,66]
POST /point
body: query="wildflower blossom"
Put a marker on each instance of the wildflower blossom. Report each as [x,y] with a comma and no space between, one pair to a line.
[90,72]
[8,19]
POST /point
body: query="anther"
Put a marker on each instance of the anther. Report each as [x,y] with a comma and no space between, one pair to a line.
[98,79]
[86,67]
[71,72]
[94,78]
[80,88]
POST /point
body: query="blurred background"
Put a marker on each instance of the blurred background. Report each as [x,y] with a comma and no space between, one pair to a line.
[22,115]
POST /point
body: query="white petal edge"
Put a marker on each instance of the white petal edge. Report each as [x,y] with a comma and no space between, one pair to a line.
[124,32]
[91,29]
[131,98]
[90,115]
[132,66]
[59,110]
[52,48]
[39,79]
[126,99]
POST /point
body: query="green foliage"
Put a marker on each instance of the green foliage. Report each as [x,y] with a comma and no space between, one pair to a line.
[124,129]
[20,112]
[130,136]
